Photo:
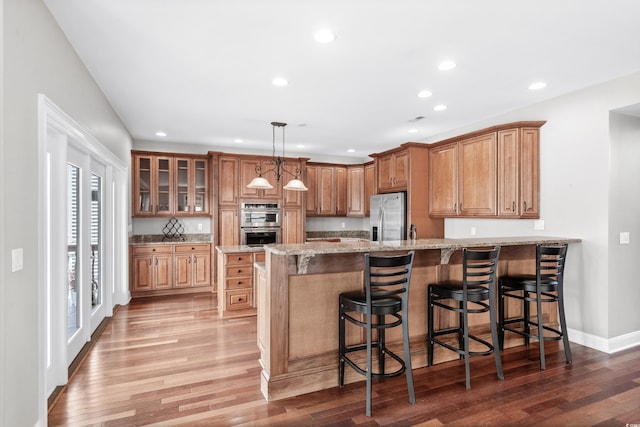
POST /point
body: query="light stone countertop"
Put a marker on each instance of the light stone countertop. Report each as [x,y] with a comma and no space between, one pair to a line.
[312,248]
[238,249]
[159,239]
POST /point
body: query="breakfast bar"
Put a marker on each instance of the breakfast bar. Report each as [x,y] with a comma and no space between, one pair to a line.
[297,302]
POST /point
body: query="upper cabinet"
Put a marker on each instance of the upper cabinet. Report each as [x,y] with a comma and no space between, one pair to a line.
[393,171]
[355,191]
[248,173]
[228,188]
[518,173]
[369,186]
[166,185]
[490,173]
[327,195]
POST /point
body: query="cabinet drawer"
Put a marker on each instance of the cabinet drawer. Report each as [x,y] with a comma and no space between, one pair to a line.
[239,258]
[239,271]
[259,257]
[237,300]
[239,283]
[149,249]
[192,248]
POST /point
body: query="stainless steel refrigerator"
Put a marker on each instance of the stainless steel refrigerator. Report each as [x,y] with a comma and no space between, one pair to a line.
[388,217]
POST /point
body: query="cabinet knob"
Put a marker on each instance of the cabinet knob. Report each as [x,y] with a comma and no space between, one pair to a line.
[153,250]
[513,206]
[239,271]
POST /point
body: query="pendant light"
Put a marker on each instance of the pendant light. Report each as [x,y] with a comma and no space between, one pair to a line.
[278,168]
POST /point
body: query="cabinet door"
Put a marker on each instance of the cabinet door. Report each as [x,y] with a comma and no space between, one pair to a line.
[294,198]
[312,194]
[201,266]
[163,271]
[530,173]
[355,191]
[183,271]
[385,172]
[326,185]
[164,190]
[443,180]
[200,189]
[228,181]
[508,173]
[143,184]
[292,226]
[143,273]
[340,190]
[247,174]
[477,176]
[183,172]
[369,186]
[400,169]
[229,226]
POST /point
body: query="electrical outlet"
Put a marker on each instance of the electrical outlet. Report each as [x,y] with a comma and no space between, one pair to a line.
[624,238]
[343,225]
[538,224]
[199,227]
[17,260]
[473,231]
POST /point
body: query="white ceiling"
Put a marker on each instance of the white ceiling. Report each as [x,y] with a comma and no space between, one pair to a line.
[201,70]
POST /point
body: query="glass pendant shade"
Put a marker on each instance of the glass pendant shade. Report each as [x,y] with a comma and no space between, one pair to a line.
[295,185]
[260,182]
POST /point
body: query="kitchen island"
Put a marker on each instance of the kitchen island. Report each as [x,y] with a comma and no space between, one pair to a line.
[297,303]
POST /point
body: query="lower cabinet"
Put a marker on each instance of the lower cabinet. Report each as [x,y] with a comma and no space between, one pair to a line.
[236,293]
[167,268]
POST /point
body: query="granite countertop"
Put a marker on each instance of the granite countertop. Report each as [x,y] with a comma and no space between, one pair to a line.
[238,248]
[160,239]
[358,245]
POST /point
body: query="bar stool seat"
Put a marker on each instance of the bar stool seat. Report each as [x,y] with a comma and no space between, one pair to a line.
[386,293]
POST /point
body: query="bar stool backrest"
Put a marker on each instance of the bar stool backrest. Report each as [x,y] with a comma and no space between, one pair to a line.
[550,262]
[388,276]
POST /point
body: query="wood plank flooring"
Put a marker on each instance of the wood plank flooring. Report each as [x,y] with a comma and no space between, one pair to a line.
[171,361]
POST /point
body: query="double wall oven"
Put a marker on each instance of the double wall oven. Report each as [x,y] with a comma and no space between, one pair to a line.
[259,223]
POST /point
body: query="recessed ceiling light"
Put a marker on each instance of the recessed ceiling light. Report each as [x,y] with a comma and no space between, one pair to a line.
[424,94]
[324,36]
[160,133]
[440,107]
[279,81]
[537,85]
[351,150]
[239,141]
[446,66]
[413,130]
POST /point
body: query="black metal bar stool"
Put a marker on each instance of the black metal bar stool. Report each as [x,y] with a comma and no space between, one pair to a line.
[546,286]
[478,286]
[386,293]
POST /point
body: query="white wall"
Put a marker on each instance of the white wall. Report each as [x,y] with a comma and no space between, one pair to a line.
[624,216]
[37,58]
[575,147]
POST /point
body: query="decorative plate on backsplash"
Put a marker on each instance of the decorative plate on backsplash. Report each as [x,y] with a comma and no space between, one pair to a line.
[173,229]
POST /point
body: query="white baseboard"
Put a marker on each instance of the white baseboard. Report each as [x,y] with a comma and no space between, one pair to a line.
[610,345]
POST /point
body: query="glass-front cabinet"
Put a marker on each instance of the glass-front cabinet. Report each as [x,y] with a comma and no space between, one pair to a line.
[167,185]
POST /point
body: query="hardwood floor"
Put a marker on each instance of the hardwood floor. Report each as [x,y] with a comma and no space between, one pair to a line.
[171,361]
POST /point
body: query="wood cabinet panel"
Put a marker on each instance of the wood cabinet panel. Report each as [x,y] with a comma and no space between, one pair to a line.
[443,180]
[355,191]
[248,173]
[326,196]
[228,189]
[477,176]
[369,186]
[393,171]
[292,226]
[228,226]
[340,190]
[312,194]
[530,173]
